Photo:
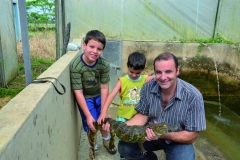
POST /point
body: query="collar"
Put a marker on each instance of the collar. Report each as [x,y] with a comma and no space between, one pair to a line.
[156,89]
[135,80]
[86,63]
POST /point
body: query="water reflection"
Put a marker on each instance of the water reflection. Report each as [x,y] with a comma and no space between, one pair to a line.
[219,118]
[223,130]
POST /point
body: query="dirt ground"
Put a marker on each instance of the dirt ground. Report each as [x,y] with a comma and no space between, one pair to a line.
[4,101]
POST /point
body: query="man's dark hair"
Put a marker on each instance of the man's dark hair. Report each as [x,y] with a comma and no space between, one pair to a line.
[136,60]
[97,36]
[166,56]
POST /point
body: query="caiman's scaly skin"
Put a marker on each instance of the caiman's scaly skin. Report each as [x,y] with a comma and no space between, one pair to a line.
[129,134]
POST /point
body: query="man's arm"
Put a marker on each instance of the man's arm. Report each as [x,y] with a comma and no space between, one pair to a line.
[138,119]
[149,78]
[83,105]
[181,136]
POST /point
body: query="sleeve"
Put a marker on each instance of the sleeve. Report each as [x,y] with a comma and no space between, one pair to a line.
[143,105]
[196,120]
[104,77]
[75,78]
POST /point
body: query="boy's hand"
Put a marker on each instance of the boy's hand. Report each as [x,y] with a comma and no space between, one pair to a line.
[106,127]
[149,78]
[101,118]
[90,121]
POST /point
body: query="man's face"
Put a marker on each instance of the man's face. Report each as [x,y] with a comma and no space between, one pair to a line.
[92,51]
[166,74]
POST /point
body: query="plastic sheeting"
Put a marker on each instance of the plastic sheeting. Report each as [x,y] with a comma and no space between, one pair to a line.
[113,54]
[228,21]
[153,19]
[8,58]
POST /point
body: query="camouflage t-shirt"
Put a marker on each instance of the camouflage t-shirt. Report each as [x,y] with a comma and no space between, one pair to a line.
[88,78]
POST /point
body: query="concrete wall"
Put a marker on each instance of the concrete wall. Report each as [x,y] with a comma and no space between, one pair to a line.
[222,53]
[39,123]
[8,46]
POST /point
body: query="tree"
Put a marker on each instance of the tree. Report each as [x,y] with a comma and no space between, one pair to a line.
[40,11]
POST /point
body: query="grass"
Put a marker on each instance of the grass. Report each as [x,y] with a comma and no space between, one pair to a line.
[43,55]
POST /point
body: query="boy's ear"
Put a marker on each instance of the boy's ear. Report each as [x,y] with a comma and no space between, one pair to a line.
[84,45]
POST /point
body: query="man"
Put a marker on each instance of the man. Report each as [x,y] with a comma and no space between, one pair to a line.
[167,99]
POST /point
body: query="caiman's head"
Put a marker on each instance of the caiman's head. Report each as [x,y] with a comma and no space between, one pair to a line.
[162,128]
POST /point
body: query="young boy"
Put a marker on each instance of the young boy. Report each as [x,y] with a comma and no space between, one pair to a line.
[89,75]
[129,88]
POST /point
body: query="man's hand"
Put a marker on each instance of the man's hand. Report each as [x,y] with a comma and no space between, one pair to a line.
[179,136]
[150,135]
[90,121]
[149,78]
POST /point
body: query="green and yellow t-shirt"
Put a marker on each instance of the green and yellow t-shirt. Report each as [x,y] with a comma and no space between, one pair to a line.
[130,95]
[88,78]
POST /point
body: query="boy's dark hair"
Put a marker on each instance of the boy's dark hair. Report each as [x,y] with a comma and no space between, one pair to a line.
[136,60]
[166,56]
[95,35]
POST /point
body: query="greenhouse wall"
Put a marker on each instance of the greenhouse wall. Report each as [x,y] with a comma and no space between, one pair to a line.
[154,19]
[228,21]
[8,45]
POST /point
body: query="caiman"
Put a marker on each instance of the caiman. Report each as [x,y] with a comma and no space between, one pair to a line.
[130,134]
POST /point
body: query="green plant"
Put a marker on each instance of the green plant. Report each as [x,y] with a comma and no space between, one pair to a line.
[10,92]
[198,57]
[43,55]
[217,39]
[40,11]
[18,84]
[182,40]
[200,47]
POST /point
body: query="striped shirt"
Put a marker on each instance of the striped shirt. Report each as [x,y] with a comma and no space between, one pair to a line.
[185,109]
[88,78]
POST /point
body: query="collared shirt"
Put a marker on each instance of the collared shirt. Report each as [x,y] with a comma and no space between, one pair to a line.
[185,109]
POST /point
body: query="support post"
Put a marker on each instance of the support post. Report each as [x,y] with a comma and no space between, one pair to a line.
[25,41]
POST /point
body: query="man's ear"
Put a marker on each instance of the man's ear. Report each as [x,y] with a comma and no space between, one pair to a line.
[178,70]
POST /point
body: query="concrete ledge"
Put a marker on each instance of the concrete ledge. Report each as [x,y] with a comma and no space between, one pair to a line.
[39,123]
[223,53]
